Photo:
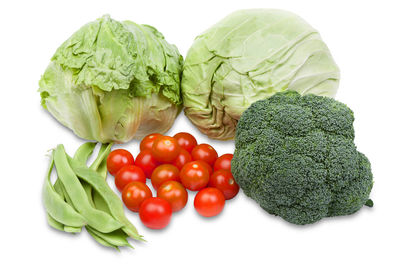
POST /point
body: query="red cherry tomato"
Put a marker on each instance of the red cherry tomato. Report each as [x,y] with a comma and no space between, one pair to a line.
[127,174]
[117,159]
[174,193]
[163,173]
[224,181]
[186,141]
[155,213]
[223,162]
[209,168]
[134,194]
[205,152]
[194,176]
[148,141]
[165,149]
[183,158]
[146,162]
[209,202]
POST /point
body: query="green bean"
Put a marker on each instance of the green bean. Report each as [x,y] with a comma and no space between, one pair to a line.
[116,238]
[56,207]
[99,220]
[72,229]
[98,200]
[83,153]
[100,203]
[100,240]
[111,199]
[89,192]
[102,169]
[67,228]
[103,152]
[66,196]
[58,188]
[54,223]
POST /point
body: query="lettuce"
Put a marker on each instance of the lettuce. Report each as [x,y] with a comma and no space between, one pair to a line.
[113,81]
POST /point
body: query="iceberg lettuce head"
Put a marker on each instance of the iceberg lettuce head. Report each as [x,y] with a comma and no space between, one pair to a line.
[113,81]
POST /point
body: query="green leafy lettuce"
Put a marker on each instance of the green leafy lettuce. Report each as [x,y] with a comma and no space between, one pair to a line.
[113,81]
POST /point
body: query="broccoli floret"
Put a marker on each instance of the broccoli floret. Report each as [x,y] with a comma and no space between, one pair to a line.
[295,156]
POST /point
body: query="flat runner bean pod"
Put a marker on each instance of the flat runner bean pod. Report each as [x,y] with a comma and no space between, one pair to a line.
[111,199]
[99,239]
[99,220]
[82,154]
[105,149]
[56,207]
[54,223]
[72,229]
[116,238]
[102,169]
[98,200]
[100,203]
[58,187]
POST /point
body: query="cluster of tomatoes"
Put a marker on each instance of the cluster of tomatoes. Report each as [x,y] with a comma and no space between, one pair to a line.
[173,164]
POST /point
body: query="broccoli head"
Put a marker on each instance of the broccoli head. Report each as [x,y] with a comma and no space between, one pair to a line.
[295,156]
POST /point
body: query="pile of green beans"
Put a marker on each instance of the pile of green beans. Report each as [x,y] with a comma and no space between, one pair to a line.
[81,197]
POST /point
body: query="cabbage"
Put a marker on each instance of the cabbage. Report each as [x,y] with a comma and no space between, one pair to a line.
[248,56]
[113,81]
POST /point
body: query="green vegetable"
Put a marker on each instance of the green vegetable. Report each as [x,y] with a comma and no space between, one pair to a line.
[81,197]
[248,56]
[96,218]
[113,202]
[295,156]
[113,81]
[55,206]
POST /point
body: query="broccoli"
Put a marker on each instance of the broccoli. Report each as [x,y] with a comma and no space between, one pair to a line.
[295,156]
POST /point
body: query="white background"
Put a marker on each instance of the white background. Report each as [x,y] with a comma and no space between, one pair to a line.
[364,39]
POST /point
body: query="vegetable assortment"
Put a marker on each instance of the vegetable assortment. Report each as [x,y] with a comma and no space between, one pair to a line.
[177,164]
[81,197]
[261,76]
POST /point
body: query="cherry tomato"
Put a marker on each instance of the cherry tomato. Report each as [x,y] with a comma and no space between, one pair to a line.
[155,213]
[194,176]
[117,159]
[148,141]
[134,194]
[209,202]
[127,174]
[223,162]
[183,158]
[174,193]
[165,149]
[186,141]
[205,152]
[163,173]
[224,181]
[146,162]
[209,168]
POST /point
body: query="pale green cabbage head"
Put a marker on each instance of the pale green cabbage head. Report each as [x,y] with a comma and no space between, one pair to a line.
[248,56]
[113,81]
